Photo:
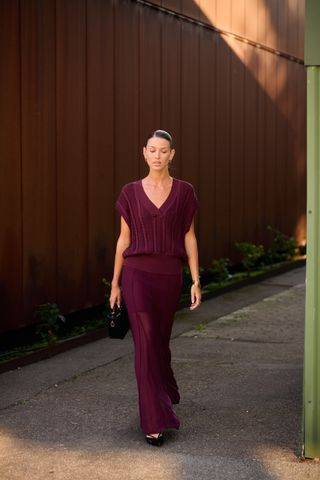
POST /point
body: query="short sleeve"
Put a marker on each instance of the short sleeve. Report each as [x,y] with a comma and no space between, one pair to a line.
[123,207]
[192,204]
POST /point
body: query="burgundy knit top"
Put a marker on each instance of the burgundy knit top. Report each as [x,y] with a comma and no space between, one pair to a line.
[157,231]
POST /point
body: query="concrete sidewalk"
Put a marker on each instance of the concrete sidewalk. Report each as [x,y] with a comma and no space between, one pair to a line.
[75,416]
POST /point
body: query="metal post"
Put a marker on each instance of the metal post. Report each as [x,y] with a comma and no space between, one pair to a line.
[311,400]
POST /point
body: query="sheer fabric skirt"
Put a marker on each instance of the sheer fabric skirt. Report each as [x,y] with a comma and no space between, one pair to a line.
[151,298]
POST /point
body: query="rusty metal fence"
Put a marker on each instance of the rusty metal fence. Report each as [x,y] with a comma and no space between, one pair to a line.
[83,82]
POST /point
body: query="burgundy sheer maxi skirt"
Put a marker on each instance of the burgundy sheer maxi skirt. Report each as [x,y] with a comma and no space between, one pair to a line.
[151,289]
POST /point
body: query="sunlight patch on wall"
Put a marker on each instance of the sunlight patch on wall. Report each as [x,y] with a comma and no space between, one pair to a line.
[300,230]
[270,70]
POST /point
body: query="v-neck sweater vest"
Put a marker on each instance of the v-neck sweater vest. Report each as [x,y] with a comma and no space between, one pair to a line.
[157,233]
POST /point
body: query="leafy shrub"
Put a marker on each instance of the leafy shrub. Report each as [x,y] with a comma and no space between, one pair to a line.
[220,270]
[50,321]
[282,247]
[251,253]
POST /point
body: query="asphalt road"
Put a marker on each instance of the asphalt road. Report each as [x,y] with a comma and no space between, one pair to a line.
[75,415]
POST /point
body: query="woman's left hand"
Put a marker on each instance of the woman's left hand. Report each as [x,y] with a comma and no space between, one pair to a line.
[195,296]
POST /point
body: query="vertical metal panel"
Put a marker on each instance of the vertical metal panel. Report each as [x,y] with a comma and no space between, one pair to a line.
[100,68]
[71,154]
[300,28]
[272,24]
[127,159]
[299,216]
[207,12]
[282,27]
[149,74]
[282,147]
[237,98]
[190,8]
[261,151]
[250,15]
[223,14]
[207,159]
[174,5]
[38,153]
[270,142]
[171,84]
[262,23]
[250,144]
[296,153]
[238,18]
[189,102]
[292,30]
[10,178]
[223,150]
[290,189]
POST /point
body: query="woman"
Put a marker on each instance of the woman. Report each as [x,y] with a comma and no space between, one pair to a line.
[156,238]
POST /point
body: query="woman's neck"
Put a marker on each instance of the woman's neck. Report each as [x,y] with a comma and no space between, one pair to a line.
[158,178]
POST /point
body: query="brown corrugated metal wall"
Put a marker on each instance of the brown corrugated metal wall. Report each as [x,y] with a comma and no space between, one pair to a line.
[83,82]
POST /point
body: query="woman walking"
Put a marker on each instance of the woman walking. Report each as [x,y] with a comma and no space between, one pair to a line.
[156,238]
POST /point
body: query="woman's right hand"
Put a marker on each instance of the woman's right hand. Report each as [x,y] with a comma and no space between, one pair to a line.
[115,296]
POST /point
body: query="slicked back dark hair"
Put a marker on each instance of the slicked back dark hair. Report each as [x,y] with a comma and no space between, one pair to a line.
[161,134]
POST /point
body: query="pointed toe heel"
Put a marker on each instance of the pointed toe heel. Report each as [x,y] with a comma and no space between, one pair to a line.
[155,440]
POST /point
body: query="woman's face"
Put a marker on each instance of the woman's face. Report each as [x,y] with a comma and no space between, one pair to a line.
[157,153]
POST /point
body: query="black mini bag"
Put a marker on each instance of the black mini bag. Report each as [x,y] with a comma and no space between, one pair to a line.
[118,321]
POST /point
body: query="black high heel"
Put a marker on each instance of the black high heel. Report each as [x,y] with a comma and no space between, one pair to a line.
[156,441]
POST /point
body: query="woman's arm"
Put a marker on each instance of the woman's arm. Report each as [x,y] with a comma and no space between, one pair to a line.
[123,242]
[191,247]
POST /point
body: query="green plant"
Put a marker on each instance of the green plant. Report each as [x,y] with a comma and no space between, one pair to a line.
[201,326]
[50,321]
[250,252]
[282,247]
[220,269]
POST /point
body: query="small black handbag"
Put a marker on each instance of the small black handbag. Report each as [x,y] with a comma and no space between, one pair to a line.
[118,321]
